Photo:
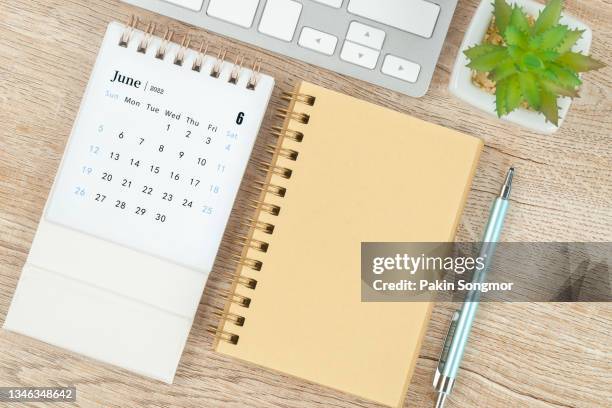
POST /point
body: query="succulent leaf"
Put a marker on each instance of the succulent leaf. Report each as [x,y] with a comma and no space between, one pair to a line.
[558,89]
[504,70]
[549,17]
[501,92]
[533,62]
[513,97]
[578,62]
[519,20]
[548,55]
[548,74]
[565,76]
[530,89]
[549,106]
[502,14]
[488,62]
[481,49]
[552,38]
[516,53]
[570,39]
[516,37]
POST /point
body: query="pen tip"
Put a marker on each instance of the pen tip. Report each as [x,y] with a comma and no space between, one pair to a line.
[507,187]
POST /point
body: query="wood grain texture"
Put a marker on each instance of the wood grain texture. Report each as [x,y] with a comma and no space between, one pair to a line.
[520,355]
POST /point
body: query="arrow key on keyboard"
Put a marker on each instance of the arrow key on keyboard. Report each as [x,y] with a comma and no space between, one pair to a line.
[359,55]
[401,68]
[365,35]
[318,41]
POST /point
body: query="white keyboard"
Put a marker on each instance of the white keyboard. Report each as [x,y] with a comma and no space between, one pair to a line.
[391,43]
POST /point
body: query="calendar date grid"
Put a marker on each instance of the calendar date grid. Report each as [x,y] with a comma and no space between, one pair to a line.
[185,157]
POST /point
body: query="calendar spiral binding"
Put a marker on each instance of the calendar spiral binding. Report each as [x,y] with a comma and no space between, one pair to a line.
[185,46]
[245,241]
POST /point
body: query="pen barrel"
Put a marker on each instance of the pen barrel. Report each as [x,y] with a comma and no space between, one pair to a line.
[468,311]
[496,221]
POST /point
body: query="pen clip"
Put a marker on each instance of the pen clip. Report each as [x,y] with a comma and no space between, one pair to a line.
[438,381]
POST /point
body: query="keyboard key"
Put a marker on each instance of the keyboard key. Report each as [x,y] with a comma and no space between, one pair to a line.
[359,55]
[415,16]
[401,68]
[194,5]
[332,3]
[365,35]
[279,19]
[318,41]
[240,12]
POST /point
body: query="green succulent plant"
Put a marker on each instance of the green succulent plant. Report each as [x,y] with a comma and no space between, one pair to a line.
[535,62]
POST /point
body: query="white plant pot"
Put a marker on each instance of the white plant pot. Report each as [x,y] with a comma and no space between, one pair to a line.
[461,79]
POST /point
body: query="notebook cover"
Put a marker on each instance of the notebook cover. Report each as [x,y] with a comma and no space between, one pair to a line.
[364,173]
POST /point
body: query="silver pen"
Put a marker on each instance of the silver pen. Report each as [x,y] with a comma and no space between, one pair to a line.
[461,324]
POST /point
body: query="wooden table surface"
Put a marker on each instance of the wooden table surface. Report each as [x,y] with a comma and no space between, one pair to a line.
[520,355]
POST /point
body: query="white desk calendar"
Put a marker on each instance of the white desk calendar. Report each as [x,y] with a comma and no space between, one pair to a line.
[140,203]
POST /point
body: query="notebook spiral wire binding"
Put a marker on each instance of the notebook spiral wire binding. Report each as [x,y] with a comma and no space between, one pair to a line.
[185,46]
[245,241]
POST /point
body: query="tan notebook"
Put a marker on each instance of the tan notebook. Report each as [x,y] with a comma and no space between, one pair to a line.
[364,173]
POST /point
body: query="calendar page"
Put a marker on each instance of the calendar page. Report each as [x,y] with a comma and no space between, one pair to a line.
[158,150]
